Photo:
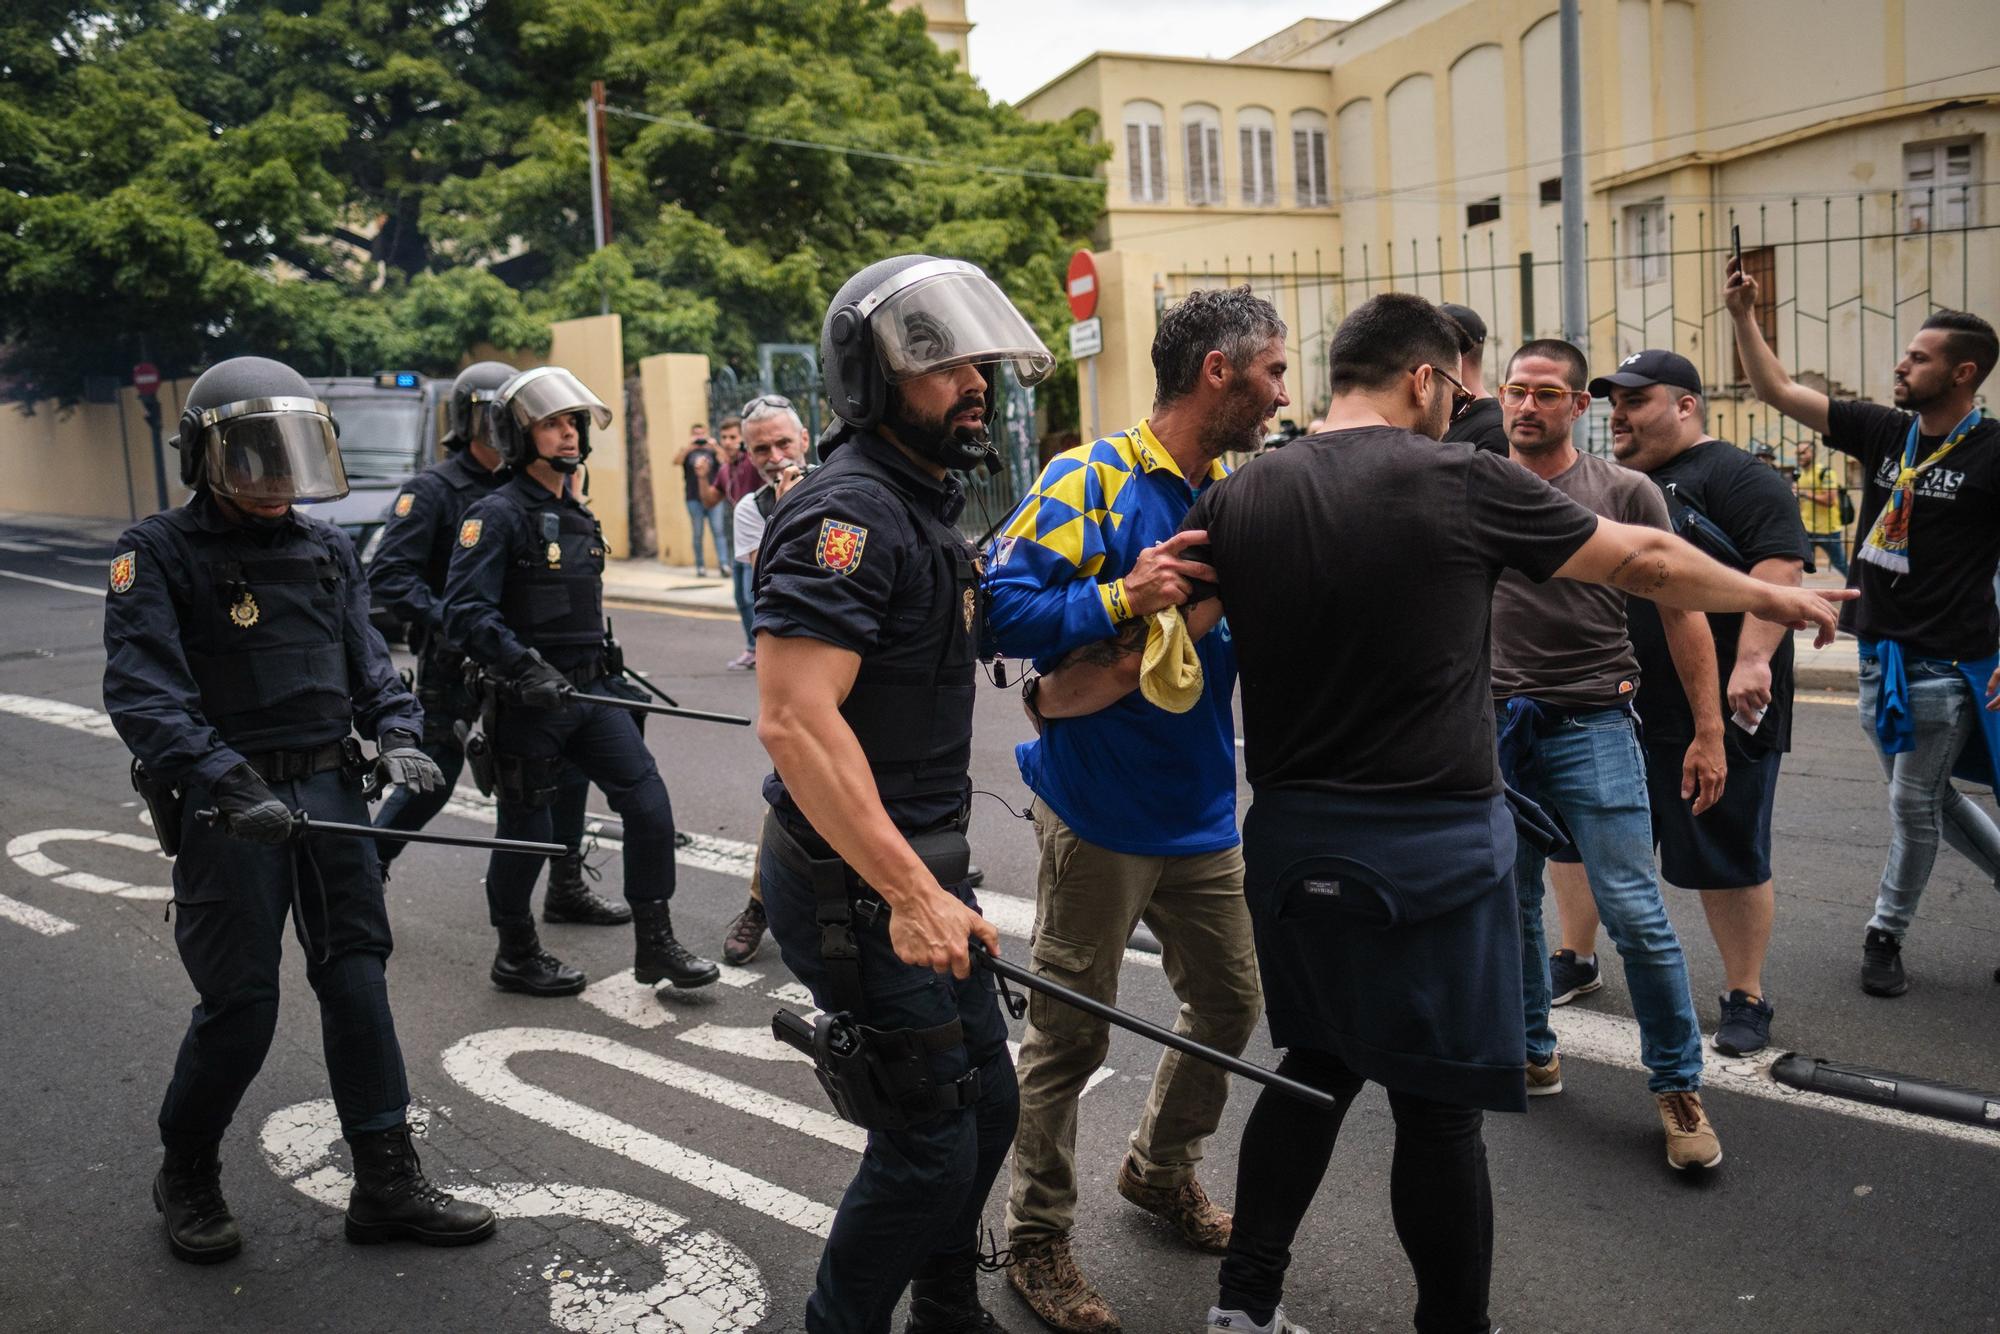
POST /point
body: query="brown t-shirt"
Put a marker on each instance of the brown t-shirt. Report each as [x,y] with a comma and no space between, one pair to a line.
[1564,642]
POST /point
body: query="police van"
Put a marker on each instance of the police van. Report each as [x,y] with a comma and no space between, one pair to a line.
[389,428]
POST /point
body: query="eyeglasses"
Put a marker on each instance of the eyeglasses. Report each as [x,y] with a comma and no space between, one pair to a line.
[1545,395]
[774,402]
[1461,397]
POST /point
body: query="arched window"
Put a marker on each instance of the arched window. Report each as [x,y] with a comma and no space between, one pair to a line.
[1201,135]
[1256,136]
[1309,158]
[1145,153]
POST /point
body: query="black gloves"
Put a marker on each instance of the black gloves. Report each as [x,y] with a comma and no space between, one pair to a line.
[251,810]
[402,762]
[538,685]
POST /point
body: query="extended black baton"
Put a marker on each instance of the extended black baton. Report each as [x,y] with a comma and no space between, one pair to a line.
[1166,1037]
[305,824]
[638,706]
[639,677]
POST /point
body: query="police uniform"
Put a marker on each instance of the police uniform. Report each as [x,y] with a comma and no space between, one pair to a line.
[526,578]
[862,554]
[231,644]
[408,575]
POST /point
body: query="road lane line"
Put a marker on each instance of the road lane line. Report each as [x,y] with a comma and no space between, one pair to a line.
[752,1040]
[55,712]
[25,548]
[479,1063]
[25,851]
[627,1000]
[1609,1039]
[52,583]
[707,1285]
[34,919]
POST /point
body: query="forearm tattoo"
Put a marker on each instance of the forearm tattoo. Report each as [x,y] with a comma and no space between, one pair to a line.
[1635,575]
[1130,639]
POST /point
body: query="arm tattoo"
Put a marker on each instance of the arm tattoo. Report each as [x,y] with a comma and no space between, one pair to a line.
[1130,639]
[1636,580]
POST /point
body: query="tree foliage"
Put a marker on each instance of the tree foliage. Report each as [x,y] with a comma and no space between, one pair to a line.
[356,183]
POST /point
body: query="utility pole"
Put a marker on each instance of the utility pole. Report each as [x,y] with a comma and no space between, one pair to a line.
[1575,281]
[600,172]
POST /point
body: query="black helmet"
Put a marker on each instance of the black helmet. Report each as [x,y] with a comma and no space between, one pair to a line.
[910,315]
[536,395]
[472,396]
[252,430]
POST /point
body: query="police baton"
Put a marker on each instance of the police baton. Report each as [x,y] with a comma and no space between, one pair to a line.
[1166,1037]
[303,824]
[638,706]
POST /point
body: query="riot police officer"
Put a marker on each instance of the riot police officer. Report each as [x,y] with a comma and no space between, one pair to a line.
[524,598]
[238,659]
[867,622]
[407,574]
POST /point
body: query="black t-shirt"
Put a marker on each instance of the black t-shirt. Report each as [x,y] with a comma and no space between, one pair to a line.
[688,473]
[1357,573]
[1481,426]
[1755,510]
[1943,608]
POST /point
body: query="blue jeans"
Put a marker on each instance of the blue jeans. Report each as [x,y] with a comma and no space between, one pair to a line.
[746,602]
[1835,547]
[1923,803]
[919,1193]
[715,519]
[1589,769]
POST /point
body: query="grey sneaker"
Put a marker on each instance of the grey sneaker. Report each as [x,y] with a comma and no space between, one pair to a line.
[1236,1322]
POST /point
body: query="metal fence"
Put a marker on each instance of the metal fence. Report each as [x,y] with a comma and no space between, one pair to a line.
[1846,280]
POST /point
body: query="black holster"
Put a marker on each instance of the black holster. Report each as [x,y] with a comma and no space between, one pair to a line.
[164,802]
[880,1079]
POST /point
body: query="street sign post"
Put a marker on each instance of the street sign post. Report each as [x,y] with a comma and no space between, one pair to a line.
[146,379]
[1086,336]
[1082,285]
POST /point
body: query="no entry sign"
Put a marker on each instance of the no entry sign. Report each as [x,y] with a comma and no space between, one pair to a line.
[146,378]
[1082,285]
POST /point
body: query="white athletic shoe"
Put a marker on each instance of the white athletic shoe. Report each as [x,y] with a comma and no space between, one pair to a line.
[1235,1322]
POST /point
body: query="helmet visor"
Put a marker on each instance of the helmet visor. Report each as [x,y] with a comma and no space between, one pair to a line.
[271,455]
[549,391]
[954,316]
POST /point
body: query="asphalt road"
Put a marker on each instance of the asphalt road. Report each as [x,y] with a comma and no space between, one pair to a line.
[660,1167]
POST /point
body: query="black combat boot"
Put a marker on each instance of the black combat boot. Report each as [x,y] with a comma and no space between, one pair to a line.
[394,1201]
[523,965]
[570,900]
[660,956]
[944,1298]
[188,1191]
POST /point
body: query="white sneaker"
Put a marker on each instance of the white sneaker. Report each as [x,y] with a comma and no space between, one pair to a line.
[1235,1322]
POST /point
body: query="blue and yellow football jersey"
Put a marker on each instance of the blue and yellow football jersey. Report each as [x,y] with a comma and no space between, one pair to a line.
[1133,778]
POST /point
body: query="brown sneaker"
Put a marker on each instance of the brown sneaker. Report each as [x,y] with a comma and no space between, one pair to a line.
[1546,1079]
[1186,1206]
[1691,1140]
[1046,1276]
[746,935]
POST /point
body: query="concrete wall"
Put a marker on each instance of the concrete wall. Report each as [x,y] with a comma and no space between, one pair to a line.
[93,460]
[593,350]
[675,386]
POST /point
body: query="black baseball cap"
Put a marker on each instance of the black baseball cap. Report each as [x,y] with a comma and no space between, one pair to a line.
[1655,365]
[1467,319]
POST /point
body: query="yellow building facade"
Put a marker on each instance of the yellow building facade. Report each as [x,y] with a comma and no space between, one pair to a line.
[1850,141]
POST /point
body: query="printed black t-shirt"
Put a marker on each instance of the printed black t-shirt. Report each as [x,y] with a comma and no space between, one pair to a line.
[1755,510]
[1356,571]
[1942,608]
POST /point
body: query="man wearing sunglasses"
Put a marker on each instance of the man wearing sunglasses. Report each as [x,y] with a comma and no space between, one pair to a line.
[1565,678]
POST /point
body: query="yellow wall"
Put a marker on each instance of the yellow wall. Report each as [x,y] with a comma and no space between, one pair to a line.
[592,349]
[675,385]
[75,461]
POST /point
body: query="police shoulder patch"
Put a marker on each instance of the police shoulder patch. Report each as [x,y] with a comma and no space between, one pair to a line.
[124,571]
[468,532]
[403,503]
[840,546]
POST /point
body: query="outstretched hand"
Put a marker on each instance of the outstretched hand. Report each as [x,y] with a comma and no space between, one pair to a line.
[1805,609]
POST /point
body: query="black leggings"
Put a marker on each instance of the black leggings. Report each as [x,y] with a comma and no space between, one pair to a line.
[1438,1194]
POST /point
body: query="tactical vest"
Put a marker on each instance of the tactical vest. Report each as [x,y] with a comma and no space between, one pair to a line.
[911,705]
[554,595]
[461,486]
[265,635]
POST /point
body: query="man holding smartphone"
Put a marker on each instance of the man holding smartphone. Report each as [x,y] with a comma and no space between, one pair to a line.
[1742,514]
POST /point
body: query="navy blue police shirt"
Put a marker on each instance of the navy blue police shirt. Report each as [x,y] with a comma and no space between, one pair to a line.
[843,562]
[151,693]
[496,534]
[408,571]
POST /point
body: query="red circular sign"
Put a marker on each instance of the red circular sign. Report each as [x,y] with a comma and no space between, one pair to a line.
[1082,285]
[146,378]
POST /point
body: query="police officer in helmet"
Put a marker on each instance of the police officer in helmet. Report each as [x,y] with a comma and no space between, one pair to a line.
[867,622]
[524,598]
[408,574]
[238,659]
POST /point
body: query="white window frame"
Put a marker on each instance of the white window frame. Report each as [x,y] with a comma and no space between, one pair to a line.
[1644,241]
[1257,147]
[1145,153]
[1201,154]
[1309,144]
[1937,185]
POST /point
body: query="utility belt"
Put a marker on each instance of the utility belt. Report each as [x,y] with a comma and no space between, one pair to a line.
[285,766]
[880,1079]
